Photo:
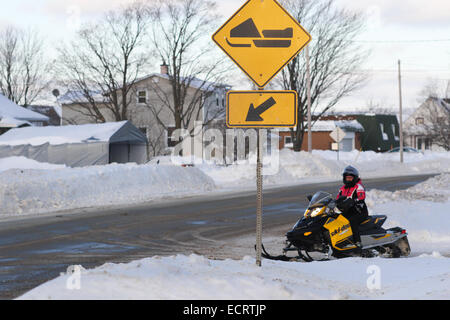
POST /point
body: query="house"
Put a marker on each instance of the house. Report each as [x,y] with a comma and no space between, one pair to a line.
[428,127]
[150,108]
[381,132]
[321,139]
[14,116]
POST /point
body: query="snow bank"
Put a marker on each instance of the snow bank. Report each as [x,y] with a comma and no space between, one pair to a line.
[372,164]
[25,163]
[197,278]
[301,167]
[423,210]
[40,191]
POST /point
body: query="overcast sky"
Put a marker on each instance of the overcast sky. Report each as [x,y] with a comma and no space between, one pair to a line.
[415,31]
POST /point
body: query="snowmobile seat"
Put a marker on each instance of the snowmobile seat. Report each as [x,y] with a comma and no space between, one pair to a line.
[373,222]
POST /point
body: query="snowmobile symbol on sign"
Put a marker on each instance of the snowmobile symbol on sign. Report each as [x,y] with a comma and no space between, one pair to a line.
[261,38]
[247,29]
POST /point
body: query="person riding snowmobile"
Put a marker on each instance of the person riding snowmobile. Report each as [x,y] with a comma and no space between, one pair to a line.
[350,200]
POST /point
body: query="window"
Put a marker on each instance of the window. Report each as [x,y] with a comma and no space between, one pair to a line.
[170,142]
[288,142]
[383,134]
[143,130]
[395,132]
[419,121]
[142,96]
[427,143]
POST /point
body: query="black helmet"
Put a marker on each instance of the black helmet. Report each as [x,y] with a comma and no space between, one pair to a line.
[350,171]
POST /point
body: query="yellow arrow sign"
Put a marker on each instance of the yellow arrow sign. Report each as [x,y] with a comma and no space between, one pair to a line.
[256,109]
[261,38]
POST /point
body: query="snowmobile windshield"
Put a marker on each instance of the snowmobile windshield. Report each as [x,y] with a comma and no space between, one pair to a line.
[320,199]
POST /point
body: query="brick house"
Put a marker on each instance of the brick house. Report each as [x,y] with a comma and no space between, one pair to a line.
[321,130]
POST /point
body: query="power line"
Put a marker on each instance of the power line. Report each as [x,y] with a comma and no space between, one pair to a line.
[398,41]
[389,41]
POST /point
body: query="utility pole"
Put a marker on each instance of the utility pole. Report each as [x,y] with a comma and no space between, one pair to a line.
[308,92]
[401,111]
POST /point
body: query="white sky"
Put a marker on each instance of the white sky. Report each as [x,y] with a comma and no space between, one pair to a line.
[392,28]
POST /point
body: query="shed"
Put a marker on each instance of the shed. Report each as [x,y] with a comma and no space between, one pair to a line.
[77,145]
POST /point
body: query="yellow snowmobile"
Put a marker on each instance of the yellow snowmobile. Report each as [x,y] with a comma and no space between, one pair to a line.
[323,229]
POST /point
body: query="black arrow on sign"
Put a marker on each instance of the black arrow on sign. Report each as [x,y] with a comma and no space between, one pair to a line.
[255,114]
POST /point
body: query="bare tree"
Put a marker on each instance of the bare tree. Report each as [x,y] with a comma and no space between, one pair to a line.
[434,89]
[334,59]
[436,122]
[180,37]
[23,68]
[102,65]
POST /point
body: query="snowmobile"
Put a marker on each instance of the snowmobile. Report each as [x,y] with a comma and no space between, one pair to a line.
[325,231]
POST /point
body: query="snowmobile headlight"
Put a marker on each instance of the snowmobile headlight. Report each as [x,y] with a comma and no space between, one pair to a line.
[317,211]
[306,212]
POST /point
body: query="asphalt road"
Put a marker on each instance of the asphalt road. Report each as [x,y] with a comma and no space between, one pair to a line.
[35,250]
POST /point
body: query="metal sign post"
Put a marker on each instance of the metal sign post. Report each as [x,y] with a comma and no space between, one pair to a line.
[339,145]
[259,200]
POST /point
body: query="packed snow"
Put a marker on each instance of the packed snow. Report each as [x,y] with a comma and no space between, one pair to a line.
[28,187]
[196,278]
[425,274]
[24,163]
[24,192]
[302,167]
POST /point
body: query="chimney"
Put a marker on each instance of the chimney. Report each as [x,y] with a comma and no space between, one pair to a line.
[164,68]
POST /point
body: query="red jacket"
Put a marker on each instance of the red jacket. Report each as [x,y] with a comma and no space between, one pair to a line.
[358,194]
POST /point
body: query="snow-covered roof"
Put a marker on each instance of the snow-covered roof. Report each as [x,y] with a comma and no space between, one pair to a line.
[73,96]
[12,110]
[9,122]
[61,134]
[330,125]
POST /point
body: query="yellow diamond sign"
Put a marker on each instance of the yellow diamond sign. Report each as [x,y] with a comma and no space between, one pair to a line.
[261,38]
[259,109]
